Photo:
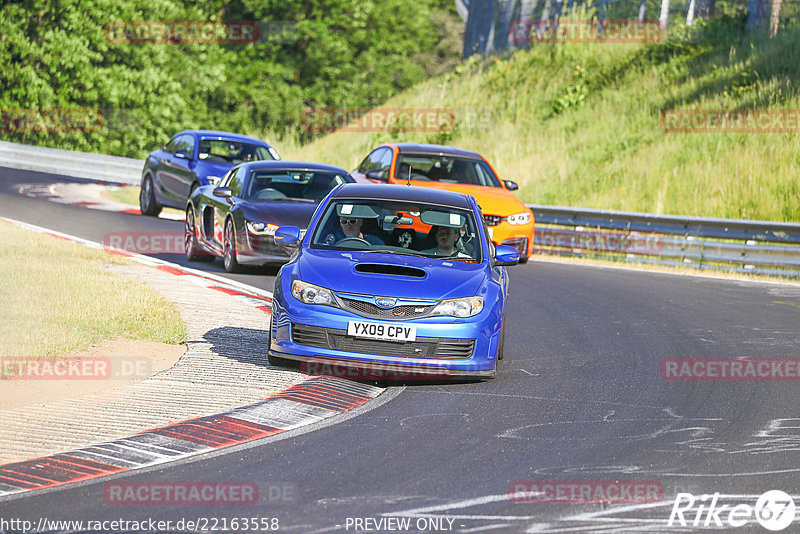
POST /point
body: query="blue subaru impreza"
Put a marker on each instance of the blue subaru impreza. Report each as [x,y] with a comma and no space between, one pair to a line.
[392,283]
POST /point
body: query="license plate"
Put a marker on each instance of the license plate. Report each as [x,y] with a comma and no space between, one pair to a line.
[390,332]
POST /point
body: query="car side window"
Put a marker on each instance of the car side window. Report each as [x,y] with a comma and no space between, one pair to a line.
[237,180]
[375,160]
[186,144]
[225,179]
[170,146]
[363,167]
[386,160]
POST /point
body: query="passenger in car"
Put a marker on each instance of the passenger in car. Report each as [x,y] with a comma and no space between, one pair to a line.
[447,238]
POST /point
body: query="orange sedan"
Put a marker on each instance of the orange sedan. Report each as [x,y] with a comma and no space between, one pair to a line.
[507,219]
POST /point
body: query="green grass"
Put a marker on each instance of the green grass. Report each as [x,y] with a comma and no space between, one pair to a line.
[579,124]
[55,299]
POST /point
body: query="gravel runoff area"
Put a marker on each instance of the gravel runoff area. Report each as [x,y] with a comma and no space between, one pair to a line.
[224,367]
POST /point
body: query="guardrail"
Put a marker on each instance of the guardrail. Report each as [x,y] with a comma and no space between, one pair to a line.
[69,163]
[762,247]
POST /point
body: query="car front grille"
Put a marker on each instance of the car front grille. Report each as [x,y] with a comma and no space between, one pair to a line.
[492,220]
[423,347]
[368,309]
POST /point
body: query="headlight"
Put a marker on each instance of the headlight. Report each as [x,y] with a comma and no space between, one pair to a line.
[261,228]
[466,307]
[213,180]
[311,294]
[520,218]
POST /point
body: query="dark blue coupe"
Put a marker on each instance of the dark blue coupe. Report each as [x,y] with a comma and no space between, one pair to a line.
[193,158]
[395,283]
[237,219]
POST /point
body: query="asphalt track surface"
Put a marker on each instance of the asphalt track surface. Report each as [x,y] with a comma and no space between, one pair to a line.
[578,397]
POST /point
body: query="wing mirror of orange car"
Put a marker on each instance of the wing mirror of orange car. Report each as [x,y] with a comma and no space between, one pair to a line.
[377,174]
[511,185]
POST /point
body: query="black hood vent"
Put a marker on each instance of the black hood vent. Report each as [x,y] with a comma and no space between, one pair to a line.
[383,268]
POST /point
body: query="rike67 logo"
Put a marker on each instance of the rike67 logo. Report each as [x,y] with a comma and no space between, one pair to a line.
[774,510]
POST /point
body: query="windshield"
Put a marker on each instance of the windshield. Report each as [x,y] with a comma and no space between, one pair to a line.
[232,151]
[445,169]
[278,185]
[400,228]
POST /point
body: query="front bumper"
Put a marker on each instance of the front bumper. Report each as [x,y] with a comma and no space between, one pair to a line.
[445,347]
[518,236]
[372,370]
[262,250]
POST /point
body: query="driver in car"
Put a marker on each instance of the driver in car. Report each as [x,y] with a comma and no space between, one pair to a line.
[350,227]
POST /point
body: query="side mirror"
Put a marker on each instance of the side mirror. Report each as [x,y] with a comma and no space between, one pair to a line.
[222,192]
[505,255]
[182,154]
[377,174]
[511,185]
[287,235]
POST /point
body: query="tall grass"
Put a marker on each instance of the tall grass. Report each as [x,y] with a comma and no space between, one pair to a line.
[579,123]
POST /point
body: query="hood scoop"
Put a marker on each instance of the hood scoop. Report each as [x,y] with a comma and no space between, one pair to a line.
[396,270]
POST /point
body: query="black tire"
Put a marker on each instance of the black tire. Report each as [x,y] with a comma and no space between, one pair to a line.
[523,259]
[502,345]
[193,251]
[229,244]
[147,198]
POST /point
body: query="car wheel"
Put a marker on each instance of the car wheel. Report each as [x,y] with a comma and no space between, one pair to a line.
[523,259]
[231,263]
[147,199]
[193,251]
